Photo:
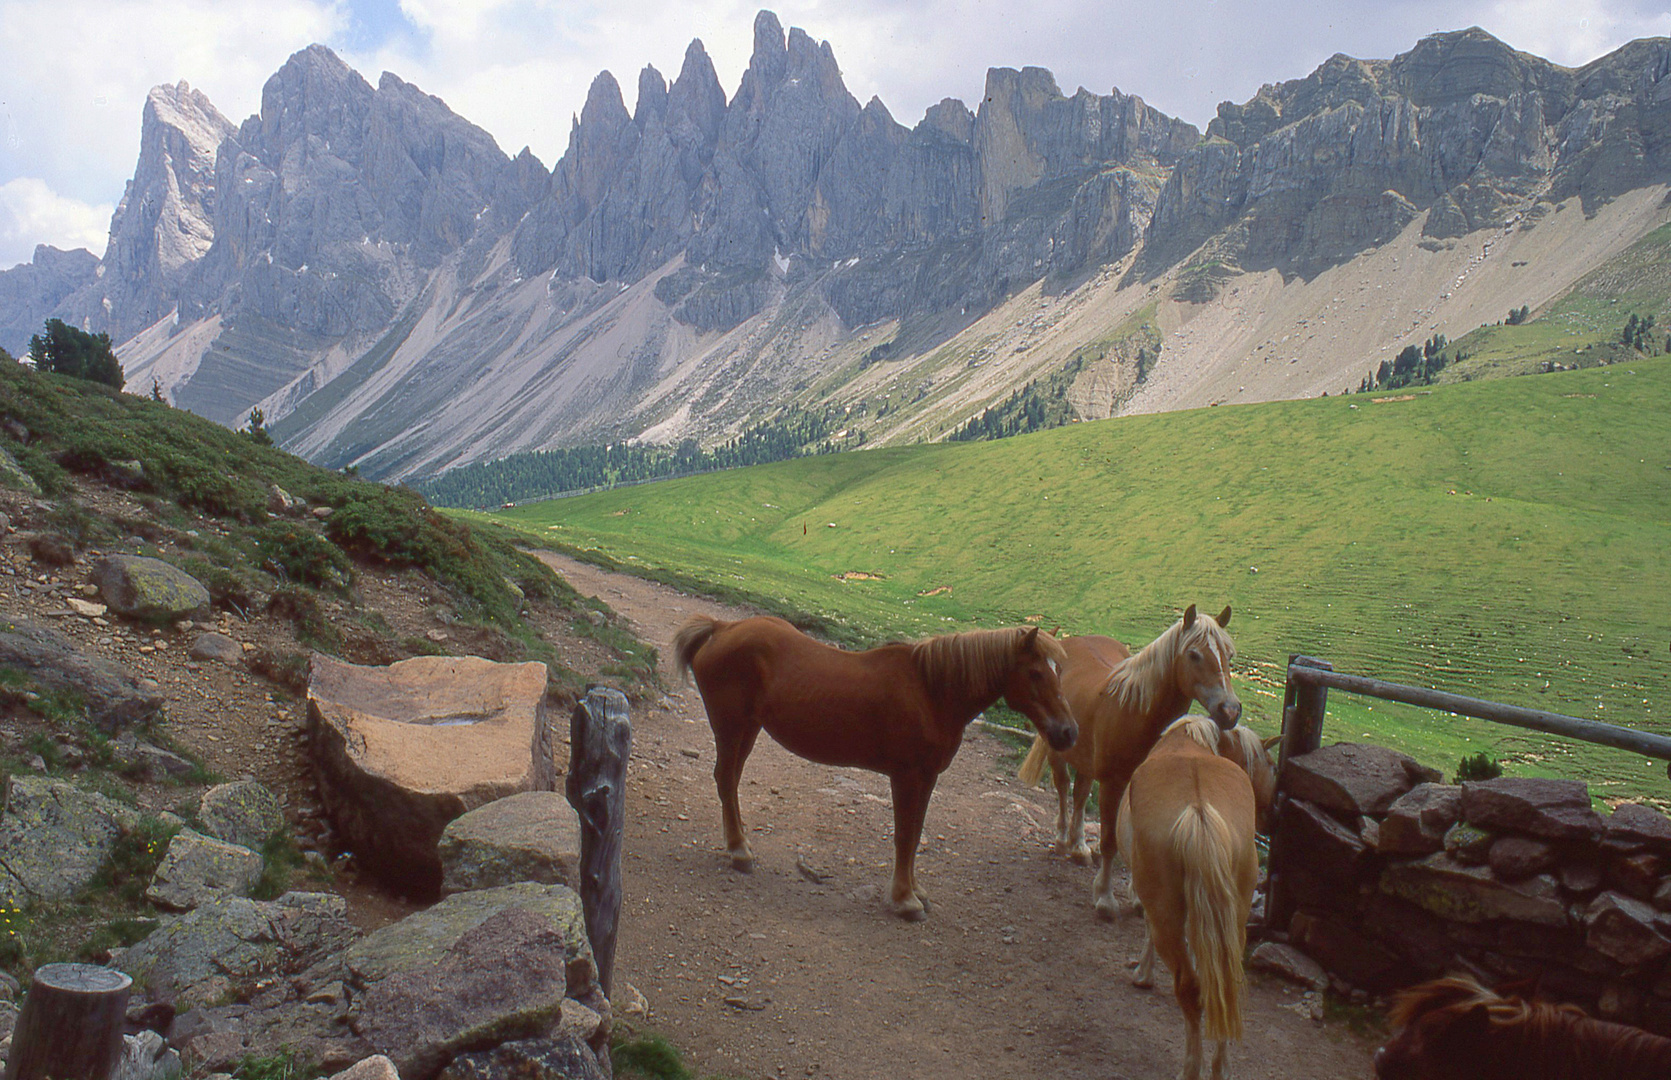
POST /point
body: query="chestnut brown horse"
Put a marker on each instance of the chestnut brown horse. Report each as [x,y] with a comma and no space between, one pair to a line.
[899,710]
[1123,703]
[1187,823]
[1454,1028]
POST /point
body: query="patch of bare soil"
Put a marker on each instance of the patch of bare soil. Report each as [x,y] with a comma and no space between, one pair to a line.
[799,969]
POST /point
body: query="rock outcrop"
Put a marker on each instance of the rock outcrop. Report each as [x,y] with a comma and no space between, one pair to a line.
[355,257]
[400,751]
[54,838]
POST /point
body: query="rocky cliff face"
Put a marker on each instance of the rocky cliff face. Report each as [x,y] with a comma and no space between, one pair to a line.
[397,291]
[1311,172]
[30,293]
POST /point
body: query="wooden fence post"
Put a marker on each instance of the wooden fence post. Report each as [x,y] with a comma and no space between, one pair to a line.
[1303,706]
[600,742]
[70,1027]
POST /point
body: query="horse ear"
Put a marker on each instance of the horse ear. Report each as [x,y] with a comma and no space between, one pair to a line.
[1224,617]
[1030,640]
[1272,741]
[1189,616]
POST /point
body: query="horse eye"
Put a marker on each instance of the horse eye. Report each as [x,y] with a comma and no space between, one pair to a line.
[1195,654]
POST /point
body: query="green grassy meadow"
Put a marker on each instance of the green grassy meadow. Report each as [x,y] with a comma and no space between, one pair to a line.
[1508,539]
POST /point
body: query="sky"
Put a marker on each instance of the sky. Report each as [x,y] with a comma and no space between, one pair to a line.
[76,72]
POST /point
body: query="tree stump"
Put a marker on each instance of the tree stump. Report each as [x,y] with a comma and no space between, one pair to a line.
[600,741]
[70,1027]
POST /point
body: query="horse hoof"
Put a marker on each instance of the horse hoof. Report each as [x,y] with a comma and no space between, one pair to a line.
[1142,982]
[1107,912]
[911,914]
[743,864]
[1080,856]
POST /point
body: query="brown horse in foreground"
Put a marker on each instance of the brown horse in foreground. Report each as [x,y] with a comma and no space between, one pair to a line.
[1456,1029]
[1187,822]
[1122,703]
[898,709]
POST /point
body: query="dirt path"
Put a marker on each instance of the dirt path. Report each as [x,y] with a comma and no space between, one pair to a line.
[799,970]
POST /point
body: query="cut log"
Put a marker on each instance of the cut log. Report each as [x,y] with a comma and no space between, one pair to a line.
[70,1027]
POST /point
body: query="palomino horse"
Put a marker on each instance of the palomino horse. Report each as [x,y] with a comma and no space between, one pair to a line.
[899,710]
[1123,703]
[1455,1029]
[1187,821]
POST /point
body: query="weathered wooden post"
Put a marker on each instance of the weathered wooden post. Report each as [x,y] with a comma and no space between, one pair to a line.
[600,741]
[1303,704]
[70,1027]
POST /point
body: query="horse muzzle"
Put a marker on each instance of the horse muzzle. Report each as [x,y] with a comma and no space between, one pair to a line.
[1061,735]
[1226,712]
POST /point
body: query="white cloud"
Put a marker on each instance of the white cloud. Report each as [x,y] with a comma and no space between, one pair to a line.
[32,213]
[77,71]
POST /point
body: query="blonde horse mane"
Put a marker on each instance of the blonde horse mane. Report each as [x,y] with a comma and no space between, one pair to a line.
[1141,678]
[1201,729]
[978,660]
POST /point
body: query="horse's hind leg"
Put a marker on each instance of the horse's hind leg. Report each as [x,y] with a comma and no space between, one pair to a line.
[1165,918]
[911,794]
[1102,887]
[1078,850]
[1144,974]
[731,750]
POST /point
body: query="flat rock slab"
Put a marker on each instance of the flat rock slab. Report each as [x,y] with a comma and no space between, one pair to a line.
[1289,963]
[1469,894]
[1354,778]
[201,957]
[54,837]
[243,812]
[214,645]
[399,751]
[1552,809]
[114,697]
[477,968]
[1633,823]
[530,836]
[197,869]
[150,589]
[1629,931]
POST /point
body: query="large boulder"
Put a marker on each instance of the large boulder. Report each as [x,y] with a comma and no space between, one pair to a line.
[114,697]
[530,836]
[243,812]
[399,751]
[1313,839]
[150,589]
[477,968]
[1538,806]
[54,838]
[1354,778]
[197,869]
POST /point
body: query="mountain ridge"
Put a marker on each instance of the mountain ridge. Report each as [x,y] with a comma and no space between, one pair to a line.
[397,293]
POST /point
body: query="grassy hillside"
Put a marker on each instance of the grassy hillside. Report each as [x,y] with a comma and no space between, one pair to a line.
[1509,539]
[1581,329]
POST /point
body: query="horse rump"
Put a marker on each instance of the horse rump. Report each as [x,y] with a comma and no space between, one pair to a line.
[1214,923]
[690,639]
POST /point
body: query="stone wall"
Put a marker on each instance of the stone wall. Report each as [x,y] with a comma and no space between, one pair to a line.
[1388,877]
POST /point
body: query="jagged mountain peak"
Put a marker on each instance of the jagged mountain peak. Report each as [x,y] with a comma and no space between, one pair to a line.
[652,96]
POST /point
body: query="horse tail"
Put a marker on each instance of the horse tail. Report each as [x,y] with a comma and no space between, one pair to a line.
[1213,927]
[1032,767]
[690,639]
